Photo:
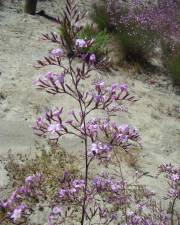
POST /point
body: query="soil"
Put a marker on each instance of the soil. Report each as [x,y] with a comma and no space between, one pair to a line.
[156,114]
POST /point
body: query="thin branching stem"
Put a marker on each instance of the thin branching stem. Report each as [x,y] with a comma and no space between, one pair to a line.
[172,211]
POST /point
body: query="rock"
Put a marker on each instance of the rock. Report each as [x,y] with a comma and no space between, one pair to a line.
[156,62]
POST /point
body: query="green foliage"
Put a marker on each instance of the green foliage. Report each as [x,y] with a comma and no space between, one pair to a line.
[71,16]
[135,42]
[172,60]
[100,16]
[66,35]
[99,48]
[87,32]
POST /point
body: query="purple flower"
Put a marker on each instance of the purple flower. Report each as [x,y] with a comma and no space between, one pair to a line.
[56,210]
[78,184]
[40,121]
[60,78]
[35,179]
[25,190]
[17,212]
[55,77]
[52,128]
[100,150]
[81,43]
[124,128]
[57,112]
[51,82]
[49,75]
[100,86]
[91,129]
[175,177]
[58,52]
[94,148]
[123,87]
[92,58]
[89,58]
[51,125]
[62,193]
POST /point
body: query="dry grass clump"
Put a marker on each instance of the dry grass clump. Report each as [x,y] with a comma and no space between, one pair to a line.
[51,164]
[130,158]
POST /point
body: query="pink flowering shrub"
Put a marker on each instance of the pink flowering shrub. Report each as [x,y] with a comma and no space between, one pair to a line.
[161,17]
[141,25]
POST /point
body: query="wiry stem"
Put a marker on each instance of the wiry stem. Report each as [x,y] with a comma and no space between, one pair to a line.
[83,112]
[172,211]
[86,180]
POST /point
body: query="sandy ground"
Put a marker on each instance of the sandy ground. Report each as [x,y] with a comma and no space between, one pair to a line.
[156,114]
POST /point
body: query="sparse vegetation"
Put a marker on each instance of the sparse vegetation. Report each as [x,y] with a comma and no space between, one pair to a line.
[100,16]
[172,62]
[51,163]
[136,43]
[139,27]
[101,39]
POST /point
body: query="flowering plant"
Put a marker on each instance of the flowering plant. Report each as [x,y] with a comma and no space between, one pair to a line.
[100,135]
[105,198]
[160,17]
[140,26]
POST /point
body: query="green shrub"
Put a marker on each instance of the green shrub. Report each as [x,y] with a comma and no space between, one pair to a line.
[172,60]
[101,38]
[100,16]
[136,43]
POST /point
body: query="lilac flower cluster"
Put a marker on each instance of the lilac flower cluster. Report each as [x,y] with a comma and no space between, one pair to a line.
[53,217]
[103,184]
[57,53]
[108,98]
[72,191]
[173,176]
[52,82]
[132,209]
[101,151]
[15,206]
[117,135]
[51,125]
[100,97]
[81,43]
[136,219]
